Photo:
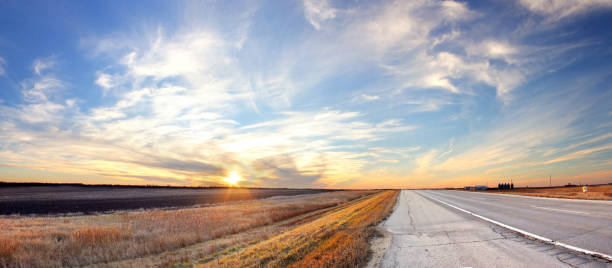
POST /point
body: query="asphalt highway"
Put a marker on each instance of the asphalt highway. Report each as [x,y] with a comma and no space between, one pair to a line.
[426,233]
[582,223]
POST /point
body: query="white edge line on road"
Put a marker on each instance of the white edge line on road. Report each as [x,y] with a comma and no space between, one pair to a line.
[562,210]
[535,236]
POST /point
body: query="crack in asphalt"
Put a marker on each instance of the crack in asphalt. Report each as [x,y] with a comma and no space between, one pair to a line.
[411,219]
[559,255]
[564,260]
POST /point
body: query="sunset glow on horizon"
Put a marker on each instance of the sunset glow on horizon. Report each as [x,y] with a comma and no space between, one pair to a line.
[307,94]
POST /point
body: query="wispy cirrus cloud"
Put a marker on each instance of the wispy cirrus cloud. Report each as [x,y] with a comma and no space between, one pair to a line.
[318,11]
[173,97]
[523,140]
[41,102]
[559,9]
[325,94]
[426,45]
[40,65]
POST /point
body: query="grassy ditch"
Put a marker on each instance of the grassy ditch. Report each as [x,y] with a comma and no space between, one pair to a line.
[336,239]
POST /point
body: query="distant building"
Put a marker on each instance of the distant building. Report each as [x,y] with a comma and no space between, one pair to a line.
[468,188]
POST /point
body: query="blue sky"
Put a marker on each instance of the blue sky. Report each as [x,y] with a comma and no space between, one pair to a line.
[311,93]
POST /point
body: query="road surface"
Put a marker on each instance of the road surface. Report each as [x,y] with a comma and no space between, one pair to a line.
[425,233]
[582,223]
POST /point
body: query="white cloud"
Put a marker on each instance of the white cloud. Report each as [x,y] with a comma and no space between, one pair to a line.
[39,88]
[453,10]
[425,104]
[498,49]
[451,148]
[368,98]
[186,55]
[318,11]
[425,44]
[274,90]
[410,31]
[39,93]
[559,9]
[105,114]
[440,81]
[179,71]
[394,25]
[578,154]
[179,94]
[40,65]
[120,146]
[518,137]
[589,141]
[105,80]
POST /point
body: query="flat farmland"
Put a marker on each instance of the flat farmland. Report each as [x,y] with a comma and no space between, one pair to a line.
[315,229]
[88,199]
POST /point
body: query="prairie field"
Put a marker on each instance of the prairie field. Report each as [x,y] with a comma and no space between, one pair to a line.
[301,227]
[596,192]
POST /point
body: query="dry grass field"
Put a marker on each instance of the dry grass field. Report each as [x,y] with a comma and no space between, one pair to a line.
[337,239]
[139,238]
[598,192]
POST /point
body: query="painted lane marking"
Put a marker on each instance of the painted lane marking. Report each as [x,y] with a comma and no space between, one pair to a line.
[525,233]
[562,210]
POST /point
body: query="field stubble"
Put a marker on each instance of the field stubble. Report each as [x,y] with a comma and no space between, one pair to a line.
[101,239]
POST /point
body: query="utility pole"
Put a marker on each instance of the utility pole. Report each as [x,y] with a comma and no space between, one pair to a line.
[549,181]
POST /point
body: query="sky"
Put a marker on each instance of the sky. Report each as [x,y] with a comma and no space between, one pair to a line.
[306,94]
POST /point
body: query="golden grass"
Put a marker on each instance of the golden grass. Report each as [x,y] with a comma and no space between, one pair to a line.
[98,239]
[598,192]
[216,247]
[8,247]
[90,237]
[337,239]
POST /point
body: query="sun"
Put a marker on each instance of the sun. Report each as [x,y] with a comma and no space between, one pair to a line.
[232,179]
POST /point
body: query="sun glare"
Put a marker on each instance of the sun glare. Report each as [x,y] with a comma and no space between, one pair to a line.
[232,179]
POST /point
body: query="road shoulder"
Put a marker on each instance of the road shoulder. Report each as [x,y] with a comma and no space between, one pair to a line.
[427,234]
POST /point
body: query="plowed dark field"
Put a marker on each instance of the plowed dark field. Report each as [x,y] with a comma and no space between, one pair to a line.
[89,199]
